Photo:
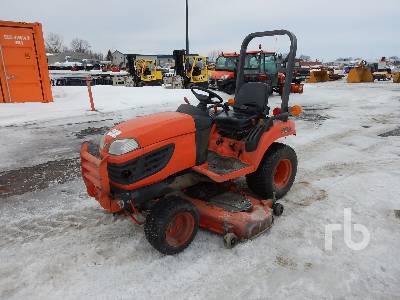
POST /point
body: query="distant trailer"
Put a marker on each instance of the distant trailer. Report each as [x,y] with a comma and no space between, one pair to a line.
[24,76]
[79,78]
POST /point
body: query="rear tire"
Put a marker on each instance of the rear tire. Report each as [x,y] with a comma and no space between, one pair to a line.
[276,172]
[171,225]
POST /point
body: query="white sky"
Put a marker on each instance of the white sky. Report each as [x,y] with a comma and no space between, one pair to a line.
[326,29]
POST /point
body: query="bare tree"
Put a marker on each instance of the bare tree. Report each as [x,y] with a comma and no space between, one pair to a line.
[212,55]
[80,45]
[54,43]
[98,56]
[304,57]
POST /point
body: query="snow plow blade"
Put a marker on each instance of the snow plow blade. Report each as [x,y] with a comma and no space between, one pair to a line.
[360,74]
[95,175]
[318,76]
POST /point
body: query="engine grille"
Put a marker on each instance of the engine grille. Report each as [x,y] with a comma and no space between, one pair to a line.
[141,167]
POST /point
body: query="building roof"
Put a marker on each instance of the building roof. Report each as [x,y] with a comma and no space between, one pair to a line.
[304,63]
[144,54]
[52,58]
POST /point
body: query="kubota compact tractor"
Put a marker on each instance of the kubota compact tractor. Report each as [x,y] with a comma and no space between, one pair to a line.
[174,171]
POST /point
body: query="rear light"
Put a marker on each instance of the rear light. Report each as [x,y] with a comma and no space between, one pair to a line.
[295,110]
[231,101]
[276,111]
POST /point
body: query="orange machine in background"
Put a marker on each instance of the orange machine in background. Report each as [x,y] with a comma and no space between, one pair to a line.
[24,76]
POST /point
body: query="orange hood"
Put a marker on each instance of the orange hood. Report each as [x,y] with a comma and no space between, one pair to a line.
[218,74]
[153,128]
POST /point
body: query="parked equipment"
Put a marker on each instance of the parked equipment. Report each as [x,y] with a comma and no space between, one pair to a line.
[24,76]
[300,73]
[143,72]
[382,75]
[334,76]
[396,77]
[223,77]
[260,66]
[359,74]
[190,70]
[318,75]
[380,70]
[147,72]
[173,171]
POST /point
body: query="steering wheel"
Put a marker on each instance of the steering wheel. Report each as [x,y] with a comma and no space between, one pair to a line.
[206,99]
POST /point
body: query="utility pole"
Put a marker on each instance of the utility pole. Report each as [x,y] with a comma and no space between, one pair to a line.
[187,28]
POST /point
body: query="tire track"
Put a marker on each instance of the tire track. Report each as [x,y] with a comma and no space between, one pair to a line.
[38,228]
[29,179]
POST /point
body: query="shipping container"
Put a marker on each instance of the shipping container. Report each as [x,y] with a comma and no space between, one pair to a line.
[24,76]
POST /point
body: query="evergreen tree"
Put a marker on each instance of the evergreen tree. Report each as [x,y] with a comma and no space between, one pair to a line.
[109,56]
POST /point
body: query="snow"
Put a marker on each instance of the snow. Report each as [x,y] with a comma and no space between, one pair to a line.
[74,102]
[57,243]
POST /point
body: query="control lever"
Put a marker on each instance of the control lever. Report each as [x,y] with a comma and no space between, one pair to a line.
[226,108]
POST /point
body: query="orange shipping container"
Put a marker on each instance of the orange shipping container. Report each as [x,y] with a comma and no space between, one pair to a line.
[24,76]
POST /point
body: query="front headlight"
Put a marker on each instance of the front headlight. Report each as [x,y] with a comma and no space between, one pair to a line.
[119,147]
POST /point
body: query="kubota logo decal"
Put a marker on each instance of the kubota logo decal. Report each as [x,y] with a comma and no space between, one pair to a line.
[114,133]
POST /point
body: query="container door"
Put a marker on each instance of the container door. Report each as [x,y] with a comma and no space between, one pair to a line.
[3,82]
[20,76]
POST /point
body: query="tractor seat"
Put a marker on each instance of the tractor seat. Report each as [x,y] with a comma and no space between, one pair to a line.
[251,103]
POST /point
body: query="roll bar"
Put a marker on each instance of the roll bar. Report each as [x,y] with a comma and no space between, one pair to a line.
[290,59]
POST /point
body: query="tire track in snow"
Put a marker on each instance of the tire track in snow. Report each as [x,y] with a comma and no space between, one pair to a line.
[30,229]
[28,179]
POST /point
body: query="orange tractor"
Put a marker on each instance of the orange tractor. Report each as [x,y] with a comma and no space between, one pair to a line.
[175,181]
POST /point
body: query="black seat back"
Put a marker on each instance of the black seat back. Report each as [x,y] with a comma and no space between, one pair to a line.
[252,98]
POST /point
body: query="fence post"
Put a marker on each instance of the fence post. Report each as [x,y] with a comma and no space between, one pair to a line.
[88,80]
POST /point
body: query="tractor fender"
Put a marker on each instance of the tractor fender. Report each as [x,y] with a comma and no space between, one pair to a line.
[278,130]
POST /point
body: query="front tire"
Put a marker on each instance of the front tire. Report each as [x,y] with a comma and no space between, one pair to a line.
[276,172]
[171,225]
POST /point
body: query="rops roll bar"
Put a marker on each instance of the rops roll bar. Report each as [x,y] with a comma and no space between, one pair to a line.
[290,59]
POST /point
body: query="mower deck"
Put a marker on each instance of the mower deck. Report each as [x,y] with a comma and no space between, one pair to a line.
[219,195]
[225,210]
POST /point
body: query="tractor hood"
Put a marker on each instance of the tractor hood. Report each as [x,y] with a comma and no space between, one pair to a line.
[153,128]
[219,74]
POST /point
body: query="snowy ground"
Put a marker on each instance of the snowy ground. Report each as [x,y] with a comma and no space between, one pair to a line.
[55,242]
